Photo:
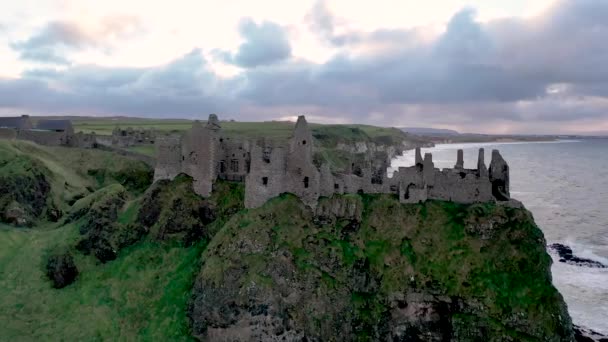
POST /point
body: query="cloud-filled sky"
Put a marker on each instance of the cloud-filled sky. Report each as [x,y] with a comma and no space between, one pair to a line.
[494,66]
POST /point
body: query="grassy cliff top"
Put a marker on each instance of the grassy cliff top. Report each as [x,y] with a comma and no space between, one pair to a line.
[436,270]
[401,271]
[266,129]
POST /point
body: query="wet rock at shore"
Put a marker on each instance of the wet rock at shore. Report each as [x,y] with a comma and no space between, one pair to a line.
[582,334]
[566,256]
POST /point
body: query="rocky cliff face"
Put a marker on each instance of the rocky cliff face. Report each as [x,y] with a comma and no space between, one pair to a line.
[369,268]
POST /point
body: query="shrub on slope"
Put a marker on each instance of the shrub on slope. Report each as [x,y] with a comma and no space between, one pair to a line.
[24,188]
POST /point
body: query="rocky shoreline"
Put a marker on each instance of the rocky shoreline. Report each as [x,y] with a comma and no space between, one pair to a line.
[567,256]
[582,334]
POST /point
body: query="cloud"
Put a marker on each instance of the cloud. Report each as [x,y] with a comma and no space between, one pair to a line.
[540,74]
[184,87]
[53,41]
[500,64]
[265,43]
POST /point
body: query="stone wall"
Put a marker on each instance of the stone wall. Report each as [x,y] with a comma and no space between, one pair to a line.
[8,133]
[85,140]
[270,169]
[266,178]
[47,138]
[168,157]
[130,137]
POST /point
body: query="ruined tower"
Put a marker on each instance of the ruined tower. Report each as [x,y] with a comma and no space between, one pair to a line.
[499,177]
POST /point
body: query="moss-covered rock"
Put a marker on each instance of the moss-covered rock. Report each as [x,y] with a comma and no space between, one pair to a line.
[173,211]
[427,272]
[137,177]
[103,235]
[24,189]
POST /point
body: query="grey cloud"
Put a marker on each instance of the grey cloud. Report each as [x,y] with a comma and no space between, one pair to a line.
[322,22]
[265,43]
[473,75]
[503,61]
[458,67]
[48,55]
[184,87]
[52,42]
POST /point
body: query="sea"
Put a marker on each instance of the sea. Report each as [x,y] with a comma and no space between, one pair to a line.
[565,186]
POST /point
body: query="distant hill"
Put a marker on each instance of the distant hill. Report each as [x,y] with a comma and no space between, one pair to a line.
[428,130]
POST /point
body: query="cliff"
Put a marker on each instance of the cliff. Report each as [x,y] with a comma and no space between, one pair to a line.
[370,268]
[167,264]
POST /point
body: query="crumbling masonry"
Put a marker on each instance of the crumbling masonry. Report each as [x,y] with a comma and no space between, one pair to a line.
[270,169]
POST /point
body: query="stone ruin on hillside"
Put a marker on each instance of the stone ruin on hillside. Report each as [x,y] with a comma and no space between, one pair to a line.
[131,137]
[269,169]
[49,132]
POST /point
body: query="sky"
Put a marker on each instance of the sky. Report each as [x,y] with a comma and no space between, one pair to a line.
[488,66]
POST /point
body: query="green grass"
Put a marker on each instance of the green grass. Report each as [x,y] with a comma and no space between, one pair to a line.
[328,135]
[140,296]
[148,150]
[73,171]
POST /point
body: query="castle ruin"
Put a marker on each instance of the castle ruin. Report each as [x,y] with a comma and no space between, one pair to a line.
[270,169]
[45,132]
[131,137]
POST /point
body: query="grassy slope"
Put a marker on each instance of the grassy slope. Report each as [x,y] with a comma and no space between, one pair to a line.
[141,295]
[69,168]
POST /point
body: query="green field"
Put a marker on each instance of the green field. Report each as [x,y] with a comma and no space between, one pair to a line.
[266,129]
[327,137]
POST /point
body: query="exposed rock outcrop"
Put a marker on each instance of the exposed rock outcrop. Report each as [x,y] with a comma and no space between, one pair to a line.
[419,272]
[582,334]
[172,210]
[102,234]
[61,269]
[24,190]
[566,256]
[339,208]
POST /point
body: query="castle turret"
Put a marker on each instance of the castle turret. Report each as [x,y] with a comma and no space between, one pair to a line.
[213,123]
[482,171]
[499,177]
[302,175]
[428,170]
[418,156]
[459,160]
[300,146]
[199,154]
